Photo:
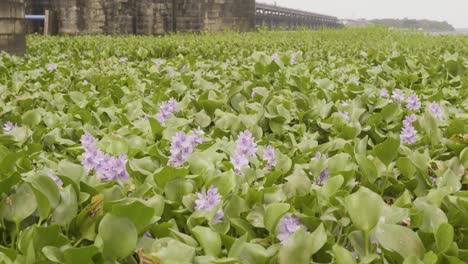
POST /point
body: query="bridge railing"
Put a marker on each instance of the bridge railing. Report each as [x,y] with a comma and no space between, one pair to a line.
[276,16]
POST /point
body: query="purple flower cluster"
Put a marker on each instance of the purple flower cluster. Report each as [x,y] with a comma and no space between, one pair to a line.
[398,96]
[436,110]
[51,67]
[269,155]
[166,109]
[245,149]
[323,177]
[207,201]
[158,62]
[413,103]
[106,167]
[409,120]
[408,132]
[122,59]
[183,145]
[287,227]
[354,79]
[275,56]
[8,126]
[384,93]
[345,115]
[293,58]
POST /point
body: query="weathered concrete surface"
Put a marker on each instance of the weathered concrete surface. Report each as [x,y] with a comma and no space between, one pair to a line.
[12,38]
[151,17]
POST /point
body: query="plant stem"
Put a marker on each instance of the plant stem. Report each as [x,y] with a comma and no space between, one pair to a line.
[385,181]
[366,242]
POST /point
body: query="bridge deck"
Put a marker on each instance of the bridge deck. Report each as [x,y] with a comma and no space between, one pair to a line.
[281,16]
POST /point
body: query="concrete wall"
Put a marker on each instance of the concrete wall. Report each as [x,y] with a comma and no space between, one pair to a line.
[12,39]
[150,17]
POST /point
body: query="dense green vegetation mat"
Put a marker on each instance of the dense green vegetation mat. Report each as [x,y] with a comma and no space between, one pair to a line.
[346,146]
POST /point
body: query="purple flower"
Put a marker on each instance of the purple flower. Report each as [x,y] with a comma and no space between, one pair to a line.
[239,162]
[245,148]
[436,110]
[196,136]
[92,158]
[318,155]
[275,56]
[413,103]
[253,94]
[345,103]
[345,115]
[398,96]
[170,69]
[112,168]
[122,59]
[376,242]
[323,177]
[269,155]
[207,201]
[166,109]
[158,62]
[408,134]
[287,227]
[8,126]
[87,141]
[384,93]
[354,79]
[409,120]
[293,58]
[183,145]
[51,67]
[246,144]
[56,179]
[106,167]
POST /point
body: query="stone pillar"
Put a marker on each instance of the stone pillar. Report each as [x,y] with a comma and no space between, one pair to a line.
[12,28]
[153,17]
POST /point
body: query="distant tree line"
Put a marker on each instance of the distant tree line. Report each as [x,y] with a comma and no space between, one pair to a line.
[424,24]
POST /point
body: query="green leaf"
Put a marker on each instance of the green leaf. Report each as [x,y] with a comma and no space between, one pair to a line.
[273,214]
[365,208]
[387,151]
[21,204]
[390,112]
[208,239]
[82,255]
[70,170]
[47,193]
[400,240]
[31,118]
[342,255]
[254,253]
[115,244]
[67,208]
[444,237]
[169,250]
[166,174]
[140,214]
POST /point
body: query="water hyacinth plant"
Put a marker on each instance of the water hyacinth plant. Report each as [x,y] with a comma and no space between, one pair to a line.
[346,146]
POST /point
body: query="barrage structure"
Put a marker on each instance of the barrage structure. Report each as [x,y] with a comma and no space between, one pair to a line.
[145,17]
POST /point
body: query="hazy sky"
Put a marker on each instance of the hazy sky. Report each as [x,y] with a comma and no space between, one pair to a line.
[454,12]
